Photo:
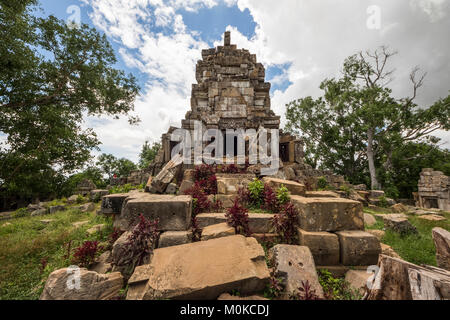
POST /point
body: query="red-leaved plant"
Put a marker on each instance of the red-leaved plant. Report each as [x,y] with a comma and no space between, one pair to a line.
[140,243]
[286,222]
[305,292]
[84,255]
[270,199]
[201,202]
[237,217]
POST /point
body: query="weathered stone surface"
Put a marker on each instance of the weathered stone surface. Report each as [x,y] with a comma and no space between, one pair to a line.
[369,219]
[217,231]
[119,248]
[80,224]
[432,217]
[376,193]
[358,280]
[294,188]
[401,280]
[112,204]
[40,212]
[324,246]
[87,207]
[329,214]
[72,199]
[173,212]
[399,208]
[97,194]
[377,233]
[48,221]
[93,286]
[103,263]
[295,264]
[360,187]
[229,184]
[321,194]
[441,239]
[166,175]
[171,188]
[202,270]
[258,223]
[398,224]
[174,238]
[358,248]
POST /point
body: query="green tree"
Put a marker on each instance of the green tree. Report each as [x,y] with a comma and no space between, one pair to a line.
[357,121]
[111,166]
[148,154]
[52,76]
[124,167]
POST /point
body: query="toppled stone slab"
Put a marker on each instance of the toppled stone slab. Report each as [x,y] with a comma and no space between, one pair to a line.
[329,214]
[202,271]
[217,231]
[388,251]
[358,248]
[80,224]
[172,212]
[399,208]
[40,212]
[295,264]
[229,184]
[401,280]
[441,239]
[174,238]
[377,233]
[103,263]
[398,224]
[324,246]
[61,284]
[258,222]
[166,175]
[432,217]
[229,297]
[87,207]
[294,188]
[97,194]
[54,209]
[321,194]
[112,204]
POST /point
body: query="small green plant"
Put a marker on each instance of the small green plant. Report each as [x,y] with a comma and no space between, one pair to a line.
[336,288]
[256,189]
[122,189]
[274,288]
[346,190]
[283,195]
[322,183]
[383,202]
[20,213]
[80,199]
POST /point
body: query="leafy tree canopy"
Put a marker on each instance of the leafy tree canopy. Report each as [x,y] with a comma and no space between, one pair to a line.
[148,154]
[52,76]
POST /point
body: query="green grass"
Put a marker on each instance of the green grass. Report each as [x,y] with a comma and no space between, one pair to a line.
[27,242]
[417,249]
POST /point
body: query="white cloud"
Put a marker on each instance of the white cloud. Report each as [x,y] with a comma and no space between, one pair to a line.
[314,37]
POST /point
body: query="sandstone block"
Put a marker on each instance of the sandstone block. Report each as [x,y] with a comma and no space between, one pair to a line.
[324,246]
[295,264]
[441,239]
[202,271]
[294,188]
[321,194]
[358,280]
[112,204]
[258,223]
[358,248]
[174,238]
[369,219]
[329,214]
[217,231]
[93,286]
[172,212]
[229,184]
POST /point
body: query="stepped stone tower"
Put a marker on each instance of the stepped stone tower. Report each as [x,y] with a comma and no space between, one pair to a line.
[231,93]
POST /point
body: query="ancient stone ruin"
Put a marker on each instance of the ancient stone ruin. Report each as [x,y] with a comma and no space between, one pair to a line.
[434,190]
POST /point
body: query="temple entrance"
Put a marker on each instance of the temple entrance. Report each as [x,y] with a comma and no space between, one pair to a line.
[284,152]
[431,203]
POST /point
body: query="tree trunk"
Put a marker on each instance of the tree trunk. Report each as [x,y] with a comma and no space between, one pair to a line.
[373,176]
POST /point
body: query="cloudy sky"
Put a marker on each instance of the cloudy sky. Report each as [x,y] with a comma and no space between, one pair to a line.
[300,42]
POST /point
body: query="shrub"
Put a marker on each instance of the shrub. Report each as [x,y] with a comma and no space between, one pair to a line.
[322,183]
[122,189]
[80,199]
[286,222]
[283,195]
[305,292]
[383,202]
[336,288]
[203,172]
[200,198]
[346,190]
[271,202]
[140,243]
[84,255]
[208,185]
[243,196]
[231,169]
[20,213]
[274,287]
[237,217]
[256,188]
[217,206]
[112,238]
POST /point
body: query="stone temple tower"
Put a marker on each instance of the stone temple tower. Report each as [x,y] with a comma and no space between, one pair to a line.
[231,92]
